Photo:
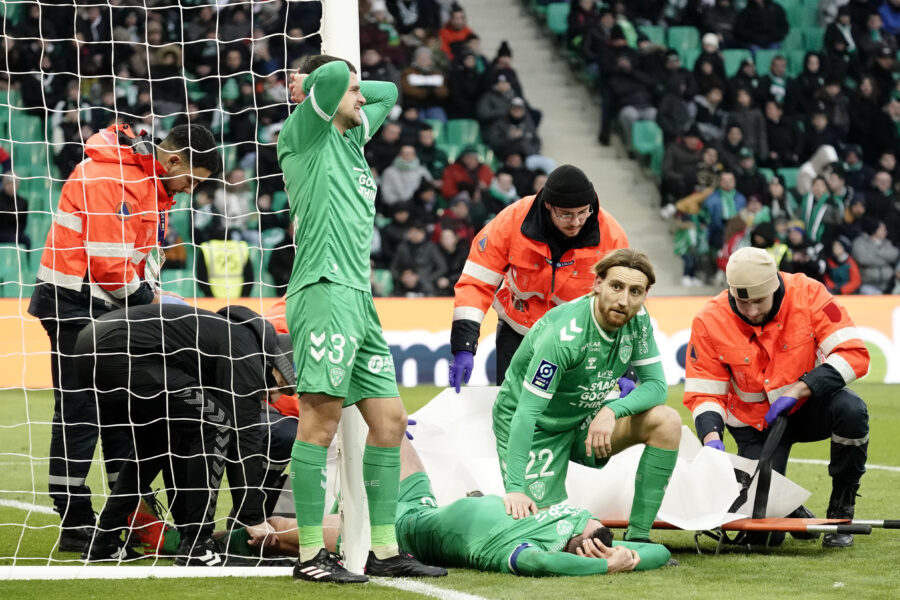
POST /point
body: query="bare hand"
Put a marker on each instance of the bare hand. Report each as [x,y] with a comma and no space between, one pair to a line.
[599,437]
[519,505]
[296,87]
[622,559]
[593,548]
[262,535]
[172,294]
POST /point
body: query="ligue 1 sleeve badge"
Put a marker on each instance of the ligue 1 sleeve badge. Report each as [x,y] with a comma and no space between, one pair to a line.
[124,210]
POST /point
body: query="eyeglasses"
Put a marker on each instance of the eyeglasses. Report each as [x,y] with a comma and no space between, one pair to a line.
[567,217]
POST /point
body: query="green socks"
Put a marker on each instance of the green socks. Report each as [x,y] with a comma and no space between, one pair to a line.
[381,477]
[308,483]
[653,473]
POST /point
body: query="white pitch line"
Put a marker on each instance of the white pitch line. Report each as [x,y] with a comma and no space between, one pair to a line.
[44,510]
[816,461]
[417,587]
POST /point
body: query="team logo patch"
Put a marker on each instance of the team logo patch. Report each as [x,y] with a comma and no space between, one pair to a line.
[336,375]
[564,528]
[537,489]
[124,210]
[546,371]
[482,243]
[625,351]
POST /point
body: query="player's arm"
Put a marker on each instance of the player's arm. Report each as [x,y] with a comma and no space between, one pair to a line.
[706,384]
[324,88]
[381,96]
[648,366]
[485,267]
[846,356]
[109,239]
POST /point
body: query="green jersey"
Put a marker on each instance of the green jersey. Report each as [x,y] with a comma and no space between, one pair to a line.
[331,190]
[562,373]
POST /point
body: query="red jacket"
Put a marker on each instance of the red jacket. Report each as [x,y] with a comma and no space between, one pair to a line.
[457,173]
[736,370]
[111,215]
[510,252]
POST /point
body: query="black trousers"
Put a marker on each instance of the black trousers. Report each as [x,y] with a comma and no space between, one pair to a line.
[75,429]
[508,341]
[279,435]
[842,417]
[186,431]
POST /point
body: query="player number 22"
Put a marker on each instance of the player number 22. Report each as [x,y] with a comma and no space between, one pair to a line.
[545,455]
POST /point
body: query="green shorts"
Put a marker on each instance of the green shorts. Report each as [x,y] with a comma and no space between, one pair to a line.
[339,347]
[548,462]
[415,496]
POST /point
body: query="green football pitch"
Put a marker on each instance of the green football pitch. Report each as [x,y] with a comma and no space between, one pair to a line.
[797,569]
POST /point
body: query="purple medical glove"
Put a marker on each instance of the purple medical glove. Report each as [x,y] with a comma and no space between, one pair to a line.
[626,386]
[461,368]
[781,406]
[717,444]
[409,422]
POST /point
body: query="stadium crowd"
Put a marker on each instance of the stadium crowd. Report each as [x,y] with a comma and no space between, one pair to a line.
[766,145]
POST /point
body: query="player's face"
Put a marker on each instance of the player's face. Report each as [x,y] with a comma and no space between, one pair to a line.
[755,310]
[350,108]
[620,296]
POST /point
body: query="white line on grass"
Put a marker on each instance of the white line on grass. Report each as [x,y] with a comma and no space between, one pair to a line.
[44,510]
[417,587]
[816,461]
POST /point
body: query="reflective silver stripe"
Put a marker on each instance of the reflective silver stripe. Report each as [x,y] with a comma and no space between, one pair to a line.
[536,391]
[315,105]
[99,292]
[70,282]
[480,273]
[778,392]
[705,386]
[469,313]
[841,365]
[137,256]
[709,407]
[847,441]
[68,220]
[733,421]
[365,123]
[501,312]
[517,293]
[119,293]
[838,337]
[109,249]
[750,397]
[65,481]
[646,361]
[112,478]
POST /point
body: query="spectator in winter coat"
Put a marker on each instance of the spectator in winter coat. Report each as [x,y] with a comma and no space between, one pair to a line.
[752,123]
[425,85]
[719,19]
[818,133]
[433,158]
[401,180]
[467,170]
[381,151]
[466,85]
[841,271]
[424,205]
[774,83]
[762,24]
[801,91]
[750,182]
[710,116]
[721,206]
[674,113]
[494,103]
[455,254]
[679,170]
[631,91]
[454,32]
[516,127]
[876,257]
[417,250]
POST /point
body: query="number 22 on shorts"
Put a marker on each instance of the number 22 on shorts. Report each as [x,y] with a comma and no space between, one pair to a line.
[545,455]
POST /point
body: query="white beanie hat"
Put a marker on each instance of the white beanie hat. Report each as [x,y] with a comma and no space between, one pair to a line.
[751,273]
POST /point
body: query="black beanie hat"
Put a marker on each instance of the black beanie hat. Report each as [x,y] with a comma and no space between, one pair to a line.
[568,187]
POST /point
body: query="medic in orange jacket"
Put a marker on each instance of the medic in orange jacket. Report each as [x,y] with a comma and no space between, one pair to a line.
[778,345]
[539,252]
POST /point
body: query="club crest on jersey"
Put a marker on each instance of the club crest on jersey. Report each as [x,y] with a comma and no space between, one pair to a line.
[546,371]
[336,375]
[482,243]
[124,210]
[564,528]
[625,351]
[537,489]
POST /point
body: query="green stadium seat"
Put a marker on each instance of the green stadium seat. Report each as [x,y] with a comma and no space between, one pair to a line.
[452,150]
[180,281]
[384,280]
[790,176]
[733,60]
[180,217]
[689,57]
[558,19]
[654,33]
[16,274]
[795,62]
[683,38]
[795,39]
[813,39]
[767,173]
[229,158]
[647,140]
[437,126]
[764,58]
[462,131]
[25,128]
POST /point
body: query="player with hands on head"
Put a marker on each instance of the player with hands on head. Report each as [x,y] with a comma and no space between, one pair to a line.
[556,406]
[339,347]
[778,345]
[535,254]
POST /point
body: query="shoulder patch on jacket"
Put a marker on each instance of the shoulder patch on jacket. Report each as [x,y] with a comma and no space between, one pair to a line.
[482,243]
[124,210]
[832,311]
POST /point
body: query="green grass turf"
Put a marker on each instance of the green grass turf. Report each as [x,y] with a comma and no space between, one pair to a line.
[797,569]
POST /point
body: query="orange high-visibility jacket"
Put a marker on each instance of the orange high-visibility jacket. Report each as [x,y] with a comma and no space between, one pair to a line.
[736,370]
[511,250]
[107,222]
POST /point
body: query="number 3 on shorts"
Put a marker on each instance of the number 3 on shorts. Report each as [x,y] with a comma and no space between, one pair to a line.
[545,455]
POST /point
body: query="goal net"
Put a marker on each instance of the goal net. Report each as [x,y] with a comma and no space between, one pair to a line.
[71,68]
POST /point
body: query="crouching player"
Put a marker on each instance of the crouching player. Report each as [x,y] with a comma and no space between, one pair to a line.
[477,533]
[553,406]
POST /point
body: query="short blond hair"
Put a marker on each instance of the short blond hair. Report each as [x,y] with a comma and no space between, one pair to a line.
[628,258]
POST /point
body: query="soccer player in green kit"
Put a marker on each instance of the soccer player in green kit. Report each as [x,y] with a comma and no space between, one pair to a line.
[553,406]
[339,347]
[477,533]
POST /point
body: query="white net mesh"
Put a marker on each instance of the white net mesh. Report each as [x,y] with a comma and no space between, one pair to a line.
[68,70]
